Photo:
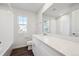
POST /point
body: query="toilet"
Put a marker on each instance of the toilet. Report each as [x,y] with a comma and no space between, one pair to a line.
[29,44]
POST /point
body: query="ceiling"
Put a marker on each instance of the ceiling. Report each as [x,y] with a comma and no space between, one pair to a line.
[59,9]
[34,7]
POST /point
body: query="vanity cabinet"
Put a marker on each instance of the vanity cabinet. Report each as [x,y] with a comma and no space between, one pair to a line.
[41,49]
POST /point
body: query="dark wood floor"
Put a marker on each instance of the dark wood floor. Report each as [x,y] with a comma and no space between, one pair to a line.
[22,52]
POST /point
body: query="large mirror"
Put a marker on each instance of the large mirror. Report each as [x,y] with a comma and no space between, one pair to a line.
[62,19]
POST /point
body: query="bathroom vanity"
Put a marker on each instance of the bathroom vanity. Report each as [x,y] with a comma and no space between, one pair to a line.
[45,45]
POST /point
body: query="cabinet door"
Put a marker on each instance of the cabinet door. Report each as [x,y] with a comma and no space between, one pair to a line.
[41,49]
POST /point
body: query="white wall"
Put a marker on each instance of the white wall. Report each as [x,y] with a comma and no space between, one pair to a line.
[21,38]
[63,25]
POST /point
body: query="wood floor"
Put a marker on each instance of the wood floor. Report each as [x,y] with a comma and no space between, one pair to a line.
[22,52]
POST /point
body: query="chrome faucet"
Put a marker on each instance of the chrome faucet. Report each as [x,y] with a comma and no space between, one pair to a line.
[75,34]
[0,42]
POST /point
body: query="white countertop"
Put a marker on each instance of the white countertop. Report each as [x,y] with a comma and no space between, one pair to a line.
[66,47]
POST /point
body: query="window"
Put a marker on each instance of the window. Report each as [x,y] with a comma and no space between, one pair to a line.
[46,25]
[22,21]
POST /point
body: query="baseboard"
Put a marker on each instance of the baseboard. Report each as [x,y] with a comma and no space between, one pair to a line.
[19,46]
